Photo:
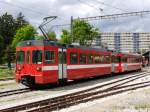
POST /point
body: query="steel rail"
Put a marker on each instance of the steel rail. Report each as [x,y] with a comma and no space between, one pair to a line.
[65,97]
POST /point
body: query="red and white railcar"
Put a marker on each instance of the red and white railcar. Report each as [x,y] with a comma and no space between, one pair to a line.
[44,62]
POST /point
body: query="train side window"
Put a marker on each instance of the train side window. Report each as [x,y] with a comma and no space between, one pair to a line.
[37,57]
[96,59]
[107,59]
[90,59]
[124,59]
[82,58]
[28,57]
[73,58]
[117,59]
[49,57]
[20,57]
[102,59]
[113,59]
[129,60]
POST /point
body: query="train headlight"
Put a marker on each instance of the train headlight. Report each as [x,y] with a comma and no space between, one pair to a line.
[19,68]
[38,68]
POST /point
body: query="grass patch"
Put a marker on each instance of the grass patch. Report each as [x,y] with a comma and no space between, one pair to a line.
[142,106]
[6,73]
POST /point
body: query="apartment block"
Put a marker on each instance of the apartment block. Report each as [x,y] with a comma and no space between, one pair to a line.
[126,41]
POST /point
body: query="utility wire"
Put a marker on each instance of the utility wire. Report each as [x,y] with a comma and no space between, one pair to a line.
[28,9]
[108,5]
[92,6]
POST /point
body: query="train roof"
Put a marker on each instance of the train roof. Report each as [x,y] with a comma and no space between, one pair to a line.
[52,43]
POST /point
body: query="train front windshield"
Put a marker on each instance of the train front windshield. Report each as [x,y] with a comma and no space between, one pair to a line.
[37,57]
[20,57]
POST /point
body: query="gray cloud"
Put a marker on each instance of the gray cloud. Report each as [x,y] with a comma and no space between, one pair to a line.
[35,10]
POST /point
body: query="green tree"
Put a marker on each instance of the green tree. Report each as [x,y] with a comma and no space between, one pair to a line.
[83,32]
[52,35]
[20,21]
[39,37]
[7,29]
[65,37]
[1,42]
[1,47]
[25,33]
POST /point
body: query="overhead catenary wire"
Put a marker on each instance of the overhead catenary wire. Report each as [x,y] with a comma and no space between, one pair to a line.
[92,6]
[28,9]
[21,7]
[113,16]
[108,5]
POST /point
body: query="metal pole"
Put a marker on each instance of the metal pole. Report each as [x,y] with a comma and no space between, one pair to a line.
[149,57]
[72,37]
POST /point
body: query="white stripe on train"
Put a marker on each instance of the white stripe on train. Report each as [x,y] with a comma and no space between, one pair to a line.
[45,68]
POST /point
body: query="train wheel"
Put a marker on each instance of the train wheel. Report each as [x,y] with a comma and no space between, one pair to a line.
[62,81]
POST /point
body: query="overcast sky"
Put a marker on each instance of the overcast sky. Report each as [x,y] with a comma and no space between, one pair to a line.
[35,10]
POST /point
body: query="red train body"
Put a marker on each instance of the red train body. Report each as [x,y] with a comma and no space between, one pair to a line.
[45,62]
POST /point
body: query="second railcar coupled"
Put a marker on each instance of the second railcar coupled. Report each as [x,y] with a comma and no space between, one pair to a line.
[45,62]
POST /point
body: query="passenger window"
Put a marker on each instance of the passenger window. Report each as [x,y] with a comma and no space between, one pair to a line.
[49,57]
[90,59]
[102,59]
[117,59]
[28,57]
[82,59]
[20,57]
[96,59]
[107,59]
[37,57]
[124,59]
[113,59]
[73,58]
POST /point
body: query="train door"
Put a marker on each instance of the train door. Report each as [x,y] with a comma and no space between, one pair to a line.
[113,63]
[62,66]
[28,62]
[125,63]
[120,63]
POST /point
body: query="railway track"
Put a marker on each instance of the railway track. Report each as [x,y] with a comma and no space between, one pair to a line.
[13,92]
[108,89]
[6,79]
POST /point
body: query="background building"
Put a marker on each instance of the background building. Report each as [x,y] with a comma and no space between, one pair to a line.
[126,42]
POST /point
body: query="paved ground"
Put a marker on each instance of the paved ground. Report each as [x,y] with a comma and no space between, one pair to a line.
[96,106]
[133,101]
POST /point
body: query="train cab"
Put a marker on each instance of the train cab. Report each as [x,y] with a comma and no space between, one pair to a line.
[36,62]
[28,62]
